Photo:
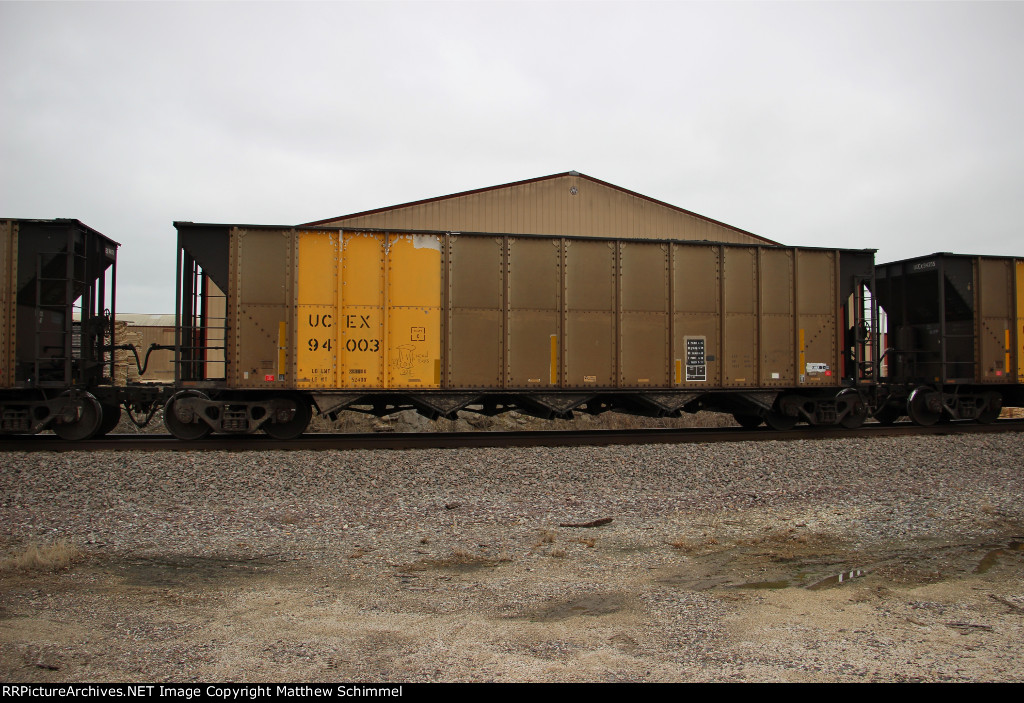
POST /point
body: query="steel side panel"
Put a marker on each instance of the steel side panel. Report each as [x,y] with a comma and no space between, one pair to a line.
[591,349]
[775,348]
[534,274]
[817,318]
[589,276]
[8,310]
[740,335]
[317,310]
[696,307]
[1018,335]
[413,330]
[697,325]
[361,333]
[995,317]
[644,346]
[261,268]
[529,348]
[739,367]
[475,357]
[476,272]
[776,277]
[645,274]
[476,300]
[534,307]
[741,280]
[696,279]
[590,342]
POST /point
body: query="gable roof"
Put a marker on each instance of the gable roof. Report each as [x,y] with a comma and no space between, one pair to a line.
[539,206]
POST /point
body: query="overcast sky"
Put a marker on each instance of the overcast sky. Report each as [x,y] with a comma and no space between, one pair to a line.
[884,125]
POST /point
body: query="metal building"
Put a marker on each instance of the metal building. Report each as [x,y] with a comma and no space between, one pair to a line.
[568,204]
[144,331]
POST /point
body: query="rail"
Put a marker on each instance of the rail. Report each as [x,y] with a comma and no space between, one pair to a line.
[453,440]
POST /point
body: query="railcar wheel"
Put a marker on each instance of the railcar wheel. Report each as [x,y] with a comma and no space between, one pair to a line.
[888,414]
[748,420]
[778,421]
[111,416]
[924,406]
[858,413]
[184,428]
[88,423]
[293,428]
[991,413]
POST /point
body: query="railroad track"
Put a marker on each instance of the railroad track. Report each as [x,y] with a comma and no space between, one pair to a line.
[450,440]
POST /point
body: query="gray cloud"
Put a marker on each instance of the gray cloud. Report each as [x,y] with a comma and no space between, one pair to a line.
[885,125]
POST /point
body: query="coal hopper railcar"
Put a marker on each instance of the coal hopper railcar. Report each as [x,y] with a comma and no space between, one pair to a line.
[275,323]
[57,282]
[953,337]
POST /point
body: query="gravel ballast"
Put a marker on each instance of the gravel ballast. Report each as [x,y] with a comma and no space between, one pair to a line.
[456,536]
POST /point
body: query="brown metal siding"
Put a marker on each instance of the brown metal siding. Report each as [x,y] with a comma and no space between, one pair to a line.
[475,312]
[589,339]
[739,319]
[529,313]
[776,356]
[644,314]
[1017,338]
[697,305]
[259,303]
[548,206]
[994,324]
[534,299]
[817,316]
[8,296]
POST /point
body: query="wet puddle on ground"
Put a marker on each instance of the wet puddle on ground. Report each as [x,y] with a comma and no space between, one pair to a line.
[992,557]
[834,580]
[593,604]
[925,566]
[169,572]
[765,585]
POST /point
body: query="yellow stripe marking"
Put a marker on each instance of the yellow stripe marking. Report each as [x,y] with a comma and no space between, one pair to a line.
[679,370]
[1007,367]
[554,359]
[803,359]
[282,340]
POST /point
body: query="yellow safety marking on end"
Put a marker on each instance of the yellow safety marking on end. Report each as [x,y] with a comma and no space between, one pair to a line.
[1019,330]
[554,359]
[282,341]
[679,370]
[803,357]
[1007,347]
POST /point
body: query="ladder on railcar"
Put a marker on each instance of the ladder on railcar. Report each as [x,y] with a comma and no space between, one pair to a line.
[865,330]
[70,351]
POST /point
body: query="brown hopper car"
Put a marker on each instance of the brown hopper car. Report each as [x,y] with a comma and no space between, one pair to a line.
[278,320]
